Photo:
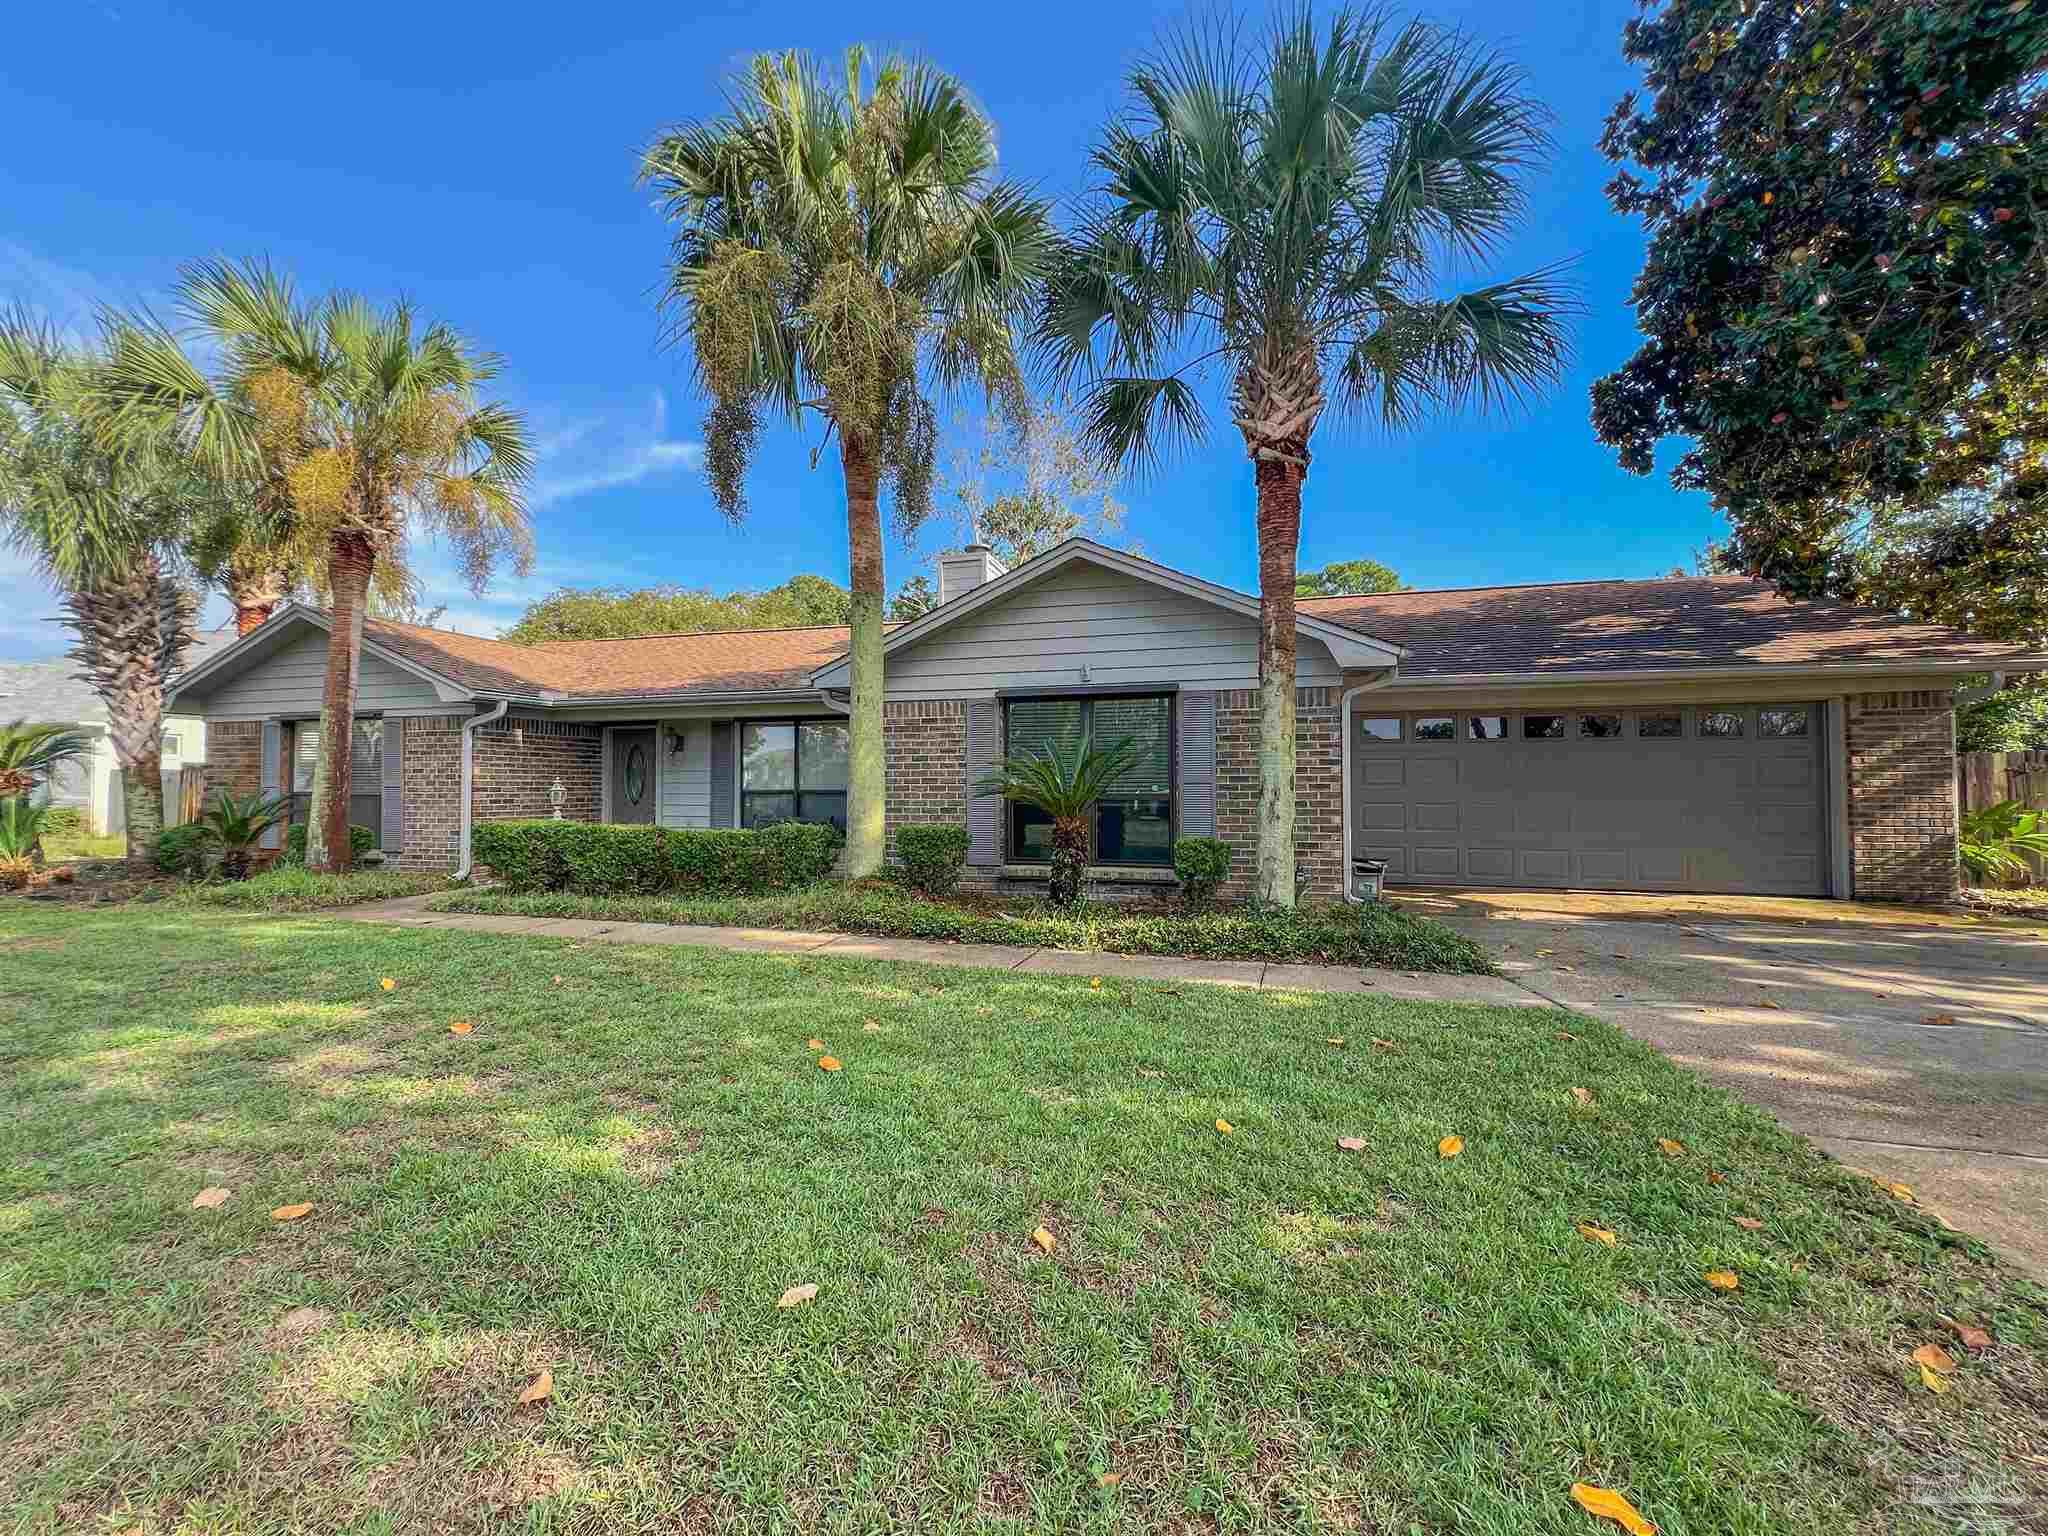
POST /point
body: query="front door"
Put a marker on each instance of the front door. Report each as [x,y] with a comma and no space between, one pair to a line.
[633,776]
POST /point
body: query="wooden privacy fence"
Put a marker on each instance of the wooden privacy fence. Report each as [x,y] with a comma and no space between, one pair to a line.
[184,798]
[1987,778]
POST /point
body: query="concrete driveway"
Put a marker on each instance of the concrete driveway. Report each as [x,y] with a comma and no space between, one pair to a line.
[1908,1044]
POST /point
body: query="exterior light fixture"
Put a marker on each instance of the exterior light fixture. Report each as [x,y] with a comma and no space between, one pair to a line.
[676,739]
[558,796]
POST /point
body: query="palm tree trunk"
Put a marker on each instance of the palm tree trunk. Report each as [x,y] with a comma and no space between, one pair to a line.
[1279,524]
[866,784]
[349,566]
[255,593]
[132,632]
[1069,860]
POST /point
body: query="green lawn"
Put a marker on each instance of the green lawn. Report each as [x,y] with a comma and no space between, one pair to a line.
[634,1154]
[83,845]
[1378,935]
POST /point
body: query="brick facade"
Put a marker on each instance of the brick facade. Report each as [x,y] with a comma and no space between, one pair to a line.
[924,758]
[512,764]
[234,758]
[1318,790]
[1902,796]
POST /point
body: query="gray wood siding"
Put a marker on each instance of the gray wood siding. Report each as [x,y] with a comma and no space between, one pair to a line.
[686,780]
[289,683]
[1124,631]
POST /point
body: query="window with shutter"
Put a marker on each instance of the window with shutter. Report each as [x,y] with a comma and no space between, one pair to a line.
[1132,822]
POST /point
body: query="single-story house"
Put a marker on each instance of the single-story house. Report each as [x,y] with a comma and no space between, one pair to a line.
[51,693]
[1688,734]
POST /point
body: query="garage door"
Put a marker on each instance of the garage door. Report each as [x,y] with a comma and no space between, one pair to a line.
[1679,798]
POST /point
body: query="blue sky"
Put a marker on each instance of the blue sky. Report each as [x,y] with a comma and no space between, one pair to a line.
[479,159]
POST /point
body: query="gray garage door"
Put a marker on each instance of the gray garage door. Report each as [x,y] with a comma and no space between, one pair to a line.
[1679,798]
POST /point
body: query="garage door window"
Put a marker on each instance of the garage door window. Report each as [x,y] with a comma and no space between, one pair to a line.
[1724,723]
[1660,726]
[1543,727]
[1781,722]
[1487,727]
[1436,728]
[1600,727]
[1380,727]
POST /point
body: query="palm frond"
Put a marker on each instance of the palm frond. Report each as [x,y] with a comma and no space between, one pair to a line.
[1062,783]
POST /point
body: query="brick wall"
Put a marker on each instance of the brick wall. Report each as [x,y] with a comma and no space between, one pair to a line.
[1902,796]
[234,758]
[430,778]
[924,756]
[1318,789]
[517,759]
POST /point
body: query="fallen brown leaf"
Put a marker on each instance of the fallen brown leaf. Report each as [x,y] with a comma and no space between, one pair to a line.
[1351,1143]
[1972,1337]
[1109,1479]
[1224,1127]
[1335,1040]
[1609,1505]
[1565,1034]
[1934,1358]
[1714,1177]
[1583,1096]
[209,1198]
[1045,1240]
[291,1212]
[1723,1279]
[814,1044]
[386,983]
[1939,1018]
[1932,1382]
[1385,1045]
[1671,1148]
[829,1063]
[796,1296]
[540,1389]
[1749,1223]
[1450,1146]
[460,1027]
[556,980]
[1765,1002]
[1597,1234]
[871,1028]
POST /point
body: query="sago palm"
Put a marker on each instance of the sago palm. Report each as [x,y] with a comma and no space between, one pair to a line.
[30,754]
[839,243]
[1283,213]
[104,526]
[369,426]
[236,824]
[1065,784]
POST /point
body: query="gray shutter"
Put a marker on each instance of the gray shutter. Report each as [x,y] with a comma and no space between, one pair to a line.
[1196,792]
[391,836]
[273,774]
[984,812]
[723,800]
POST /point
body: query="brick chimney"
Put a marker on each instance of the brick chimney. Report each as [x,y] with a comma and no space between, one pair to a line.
[962,570]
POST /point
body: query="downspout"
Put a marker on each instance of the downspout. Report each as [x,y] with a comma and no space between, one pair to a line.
[1344,757]
[825,698]
[1982,691]
[469,773]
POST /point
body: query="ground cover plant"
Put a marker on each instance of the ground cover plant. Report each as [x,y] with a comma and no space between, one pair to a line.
[1378,935]
[298,1211]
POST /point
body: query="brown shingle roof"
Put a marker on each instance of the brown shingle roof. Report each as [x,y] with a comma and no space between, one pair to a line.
[1619,626]
[730,661]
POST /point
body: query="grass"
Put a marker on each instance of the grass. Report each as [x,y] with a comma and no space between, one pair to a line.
[294,888]
[1378,935]
[83,845]
[633,1154]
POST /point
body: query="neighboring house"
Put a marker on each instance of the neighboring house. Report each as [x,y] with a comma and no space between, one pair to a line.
[1697,734]
[49,693]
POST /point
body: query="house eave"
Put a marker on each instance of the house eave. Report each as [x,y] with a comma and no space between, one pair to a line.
[1896,667]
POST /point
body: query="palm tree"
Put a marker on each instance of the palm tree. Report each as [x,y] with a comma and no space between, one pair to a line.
[1282,216]
[236,825]
[1064,785]
[362,427]
[30,754]
[103,525]
[834,242]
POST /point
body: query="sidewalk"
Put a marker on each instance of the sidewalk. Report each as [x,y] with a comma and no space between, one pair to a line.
[410,912]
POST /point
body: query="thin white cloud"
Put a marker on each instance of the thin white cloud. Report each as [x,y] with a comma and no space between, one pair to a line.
[604,451]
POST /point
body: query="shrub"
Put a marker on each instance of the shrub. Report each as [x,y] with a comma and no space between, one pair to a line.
[601,858]
[933,856]
[283,888]
[360,841]
[1203,864]
[180,850]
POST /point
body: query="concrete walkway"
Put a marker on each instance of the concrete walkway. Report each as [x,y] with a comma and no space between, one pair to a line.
[410,912]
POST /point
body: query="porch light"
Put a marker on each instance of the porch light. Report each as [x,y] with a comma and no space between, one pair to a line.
[675,740]
[558,796]
[1368,877]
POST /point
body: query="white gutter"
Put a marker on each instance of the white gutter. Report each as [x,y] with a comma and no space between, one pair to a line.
[1344,757]
[468,774]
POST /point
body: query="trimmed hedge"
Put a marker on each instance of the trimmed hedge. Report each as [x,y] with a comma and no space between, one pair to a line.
[933,856]
[602,859]
[1203,864]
